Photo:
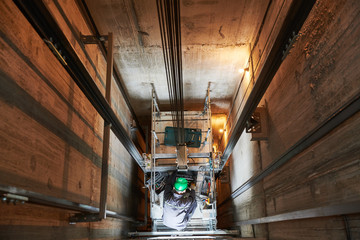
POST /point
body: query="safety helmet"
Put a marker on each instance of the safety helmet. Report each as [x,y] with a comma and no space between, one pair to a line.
[181,184]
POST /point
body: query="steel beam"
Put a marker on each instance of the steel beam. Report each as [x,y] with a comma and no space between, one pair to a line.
[326,211]
[195,168]
[341,115]
[185,233]
[297,14]
[38,198]
[45,25]
[173,156]
[106,135]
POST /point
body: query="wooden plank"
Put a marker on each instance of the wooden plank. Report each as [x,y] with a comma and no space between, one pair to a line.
[318,176]
[275,18]
[320,84]
[70,20]
[316,78]
[51,136]
[317,228]
[32,222]
[67,14]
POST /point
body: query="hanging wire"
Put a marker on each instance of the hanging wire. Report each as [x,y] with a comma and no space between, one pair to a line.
[170,30]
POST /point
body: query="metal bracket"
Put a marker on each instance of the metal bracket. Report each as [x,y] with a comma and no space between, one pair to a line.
[54,48]
[93,39]
[258,125]
[13,198]
[147,161]
[289,45]
[253,125]
[157,139]
[83,217]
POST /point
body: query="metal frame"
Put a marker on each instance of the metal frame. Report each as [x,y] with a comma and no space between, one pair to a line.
[106,137]
[37,198]
[189,234]
[91,39]
[326,211]
[208,166]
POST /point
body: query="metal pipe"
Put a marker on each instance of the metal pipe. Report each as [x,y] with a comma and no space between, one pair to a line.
[106,137]
[326,211]
[207,136]
[297,14]
[200,167]
[38,198]
[189,234]
[347,227]
[144,223]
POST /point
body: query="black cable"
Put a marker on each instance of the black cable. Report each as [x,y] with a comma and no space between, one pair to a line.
[170,30]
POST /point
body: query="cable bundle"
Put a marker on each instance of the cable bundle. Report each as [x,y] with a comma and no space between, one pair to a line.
[170,29]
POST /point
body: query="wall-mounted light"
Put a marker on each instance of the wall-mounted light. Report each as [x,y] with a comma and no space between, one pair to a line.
[222,130]
[242,70]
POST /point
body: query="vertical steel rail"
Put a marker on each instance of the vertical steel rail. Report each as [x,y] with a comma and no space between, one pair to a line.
[211,158]
[153,151]
[347,228]
[106,137]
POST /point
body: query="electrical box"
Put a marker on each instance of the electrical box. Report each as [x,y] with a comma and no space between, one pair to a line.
[257,125]
[192,137]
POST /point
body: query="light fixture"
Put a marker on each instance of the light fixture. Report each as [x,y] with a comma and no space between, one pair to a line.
[242,70]
[222,130]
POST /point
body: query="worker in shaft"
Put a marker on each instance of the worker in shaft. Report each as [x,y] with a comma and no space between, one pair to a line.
[179,203]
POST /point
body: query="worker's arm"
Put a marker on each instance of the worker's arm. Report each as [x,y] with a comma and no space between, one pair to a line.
[192,207]
[170,181]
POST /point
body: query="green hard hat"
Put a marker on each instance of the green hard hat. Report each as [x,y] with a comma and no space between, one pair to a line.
[181,184]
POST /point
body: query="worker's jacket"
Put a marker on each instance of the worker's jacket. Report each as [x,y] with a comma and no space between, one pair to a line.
[178,208]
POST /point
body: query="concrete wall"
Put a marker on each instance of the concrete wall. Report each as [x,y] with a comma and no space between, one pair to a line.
[51,136]
[318,76]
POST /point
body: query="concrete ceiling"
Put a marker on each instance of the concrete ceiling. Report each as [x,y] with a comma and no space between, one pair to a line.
[216,37]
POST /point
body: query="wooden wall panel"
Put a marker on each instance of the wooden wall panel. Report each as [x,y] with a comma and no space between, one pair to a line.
[300,98]
[273,22]
[316,79]
[70,20]
[51,136]
[44,125]
[324,174]
[318,76]
[331,228]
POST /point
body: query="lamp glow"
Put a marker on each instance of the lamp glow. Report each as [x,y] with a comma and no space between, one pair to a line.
[242,70]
